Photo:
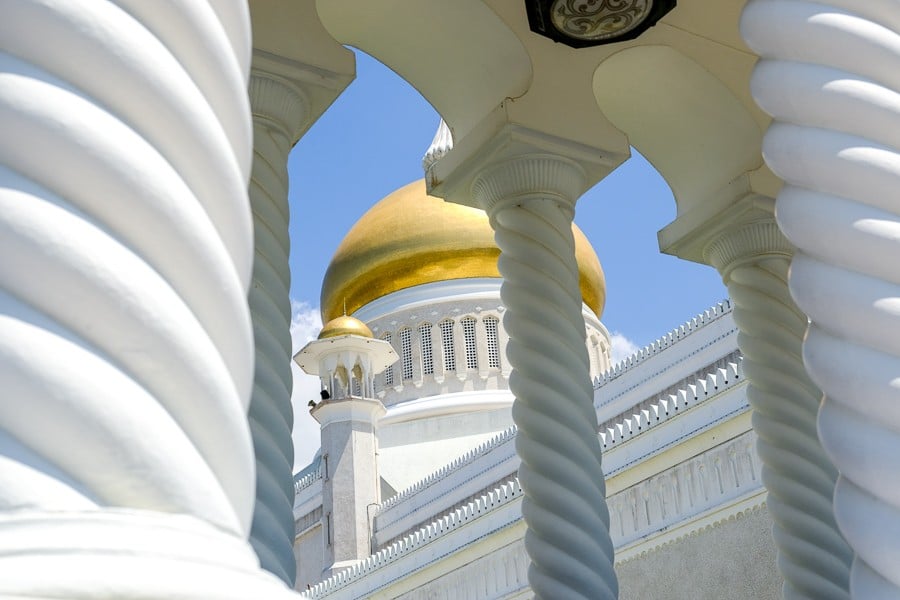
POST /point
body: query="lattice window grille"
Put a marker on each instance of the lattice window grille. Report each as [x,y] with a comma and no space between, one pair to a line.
[427,354]
[406,354]
[447,345]
[389,372]
[471,344]
[493,341]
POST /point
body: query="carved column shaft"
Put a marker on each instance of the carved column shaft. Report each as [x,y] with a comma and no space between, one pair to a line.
[812,556]
[126,464]
[279,112]
[828,75]
[530,201]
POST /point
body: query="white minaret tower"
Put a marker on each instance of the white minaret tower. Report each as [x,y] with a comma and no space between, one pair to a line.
[346,357]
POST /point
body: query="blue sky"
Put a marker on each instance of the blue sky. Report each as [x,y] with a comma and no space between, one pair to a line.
[371,142]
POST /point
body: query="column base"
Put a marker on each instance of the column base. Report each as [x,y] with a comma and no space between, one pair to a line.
[120,553]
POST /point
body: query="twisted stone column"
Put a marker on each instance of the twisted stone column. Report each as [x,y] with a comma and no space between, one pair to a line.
[531,201]
[279,111]
[812,556]
[126,464]
[830,77]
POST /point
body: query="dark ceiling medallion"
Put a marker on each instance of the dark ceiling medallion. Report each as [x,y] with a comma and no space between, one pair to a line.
[582,23]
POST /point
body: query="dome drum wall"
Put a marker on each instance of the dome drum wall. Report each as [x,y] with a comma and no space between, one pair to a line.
[454,344]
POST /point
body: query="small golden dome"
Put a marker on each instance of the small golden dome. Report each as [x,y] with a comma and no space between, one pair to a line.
[410,238]
[344,325]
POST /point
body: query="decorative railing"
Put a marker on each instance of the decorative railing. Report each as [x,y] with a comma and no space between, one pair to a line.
[308,479]
[676,335]
[486,504]
[668,406]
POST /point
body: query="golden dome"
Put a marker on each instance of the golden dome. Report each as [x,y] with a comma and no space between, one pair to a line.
[344,325]
[410,238]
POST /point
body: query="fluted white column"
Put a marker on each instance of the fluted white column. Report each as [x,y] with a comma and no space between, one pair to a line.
[813,557]
[830,76]
[126,352]
[530,200]
[280,110]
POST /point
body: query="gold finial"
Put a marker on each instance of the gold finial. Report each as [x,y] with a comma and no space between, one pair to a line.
[345,306]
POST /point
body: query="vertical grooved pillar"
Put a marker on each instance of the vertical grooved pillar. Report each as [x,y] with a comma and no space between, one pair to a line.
[531,200]
[813,557]
[279,111]
[126,348]
[829,75]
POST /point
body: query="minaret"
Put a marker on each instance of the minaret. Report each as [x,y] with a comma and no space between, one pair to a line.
[346,357]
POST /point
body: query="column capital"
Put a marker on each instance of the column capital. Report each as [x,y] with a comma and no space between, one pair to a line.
[292,94]
[512,180]
[280,102]
[745,244]
[746,228]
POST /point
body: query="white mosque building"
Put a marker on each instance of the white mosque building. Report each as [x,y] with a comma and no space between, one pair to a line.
[414,493]
[145,380]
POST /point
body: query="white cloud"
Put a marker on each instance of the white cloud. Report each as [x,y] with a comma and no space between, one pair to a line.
[622,347]
[305,325]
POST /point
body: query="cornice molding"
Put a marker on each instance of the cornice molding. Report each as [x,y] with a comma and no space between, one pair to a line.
[353,408]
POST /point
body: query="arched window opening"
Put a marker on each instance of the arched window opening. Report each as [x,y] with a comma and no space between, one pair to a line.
[468,324]
[406,363]
[388,372]
[491,328]
[427,353]
[356,386]
[447,345]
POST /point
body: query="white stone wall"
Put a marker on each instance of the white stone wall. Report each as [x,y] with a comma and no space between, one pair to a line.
[732,559]
[308,551]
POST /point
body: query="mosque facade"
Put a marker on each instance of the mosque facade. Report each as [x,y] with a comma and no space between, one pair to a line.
[422,499]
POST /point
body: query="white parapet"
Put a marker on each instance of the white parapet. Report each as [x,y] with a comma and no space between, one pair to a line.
[126,352]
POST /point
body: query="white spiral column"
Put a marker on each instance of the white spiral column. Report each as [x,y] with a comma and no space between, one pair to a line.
[812,556]
[126,350]
[830,77]
[531,202]
[280,110]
